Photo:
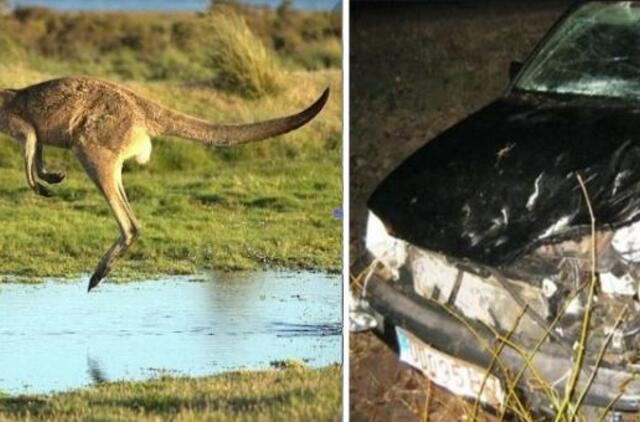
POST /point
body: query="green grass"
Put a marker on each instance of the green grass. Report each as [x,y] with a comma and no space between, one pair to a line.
[234,216]
[291,394]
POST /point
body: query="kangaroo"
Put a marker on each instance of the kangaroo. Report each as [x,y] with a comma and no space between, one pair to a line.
[105,124]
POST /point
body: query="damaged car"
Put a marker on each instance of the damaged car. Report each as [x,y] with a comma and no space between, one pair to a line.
[484,243]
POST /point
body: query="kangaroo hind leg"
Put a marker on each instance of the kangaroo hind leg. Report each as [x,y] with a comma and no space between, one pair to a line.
[105,170]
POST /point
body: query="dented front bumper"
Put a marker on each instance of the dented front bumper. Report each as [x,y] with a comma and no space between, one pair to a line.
[448,318]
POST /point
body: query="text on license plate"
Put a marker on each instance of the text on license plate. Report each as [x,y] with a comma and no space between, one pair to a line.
[456,375]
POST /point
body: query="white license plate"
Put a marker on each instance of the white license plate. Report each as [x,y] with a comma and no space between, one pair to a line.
[459,377]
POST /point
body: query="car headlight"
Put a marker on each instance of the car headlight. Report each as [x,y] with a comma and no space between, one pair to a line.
[388,250]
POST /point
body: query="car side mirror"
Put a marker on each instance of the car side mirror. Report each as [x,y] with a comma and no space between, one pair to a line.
[514,69]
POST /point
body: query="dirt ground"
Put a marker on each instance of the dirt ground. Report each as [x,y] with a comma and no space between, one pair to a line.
[416,69]
[382,389]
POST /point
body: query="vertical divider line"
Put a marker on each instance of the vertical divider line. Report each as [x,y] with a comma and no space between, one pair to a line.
[345,208]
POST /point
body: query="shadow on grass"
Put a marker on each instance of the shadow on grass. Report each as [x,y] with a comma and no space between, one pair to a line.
[202,402]
[18,406]
[274,203]
[154,402]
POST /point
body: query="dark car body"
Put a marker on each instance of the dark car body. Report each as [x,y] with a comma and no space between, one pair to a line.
[495,185]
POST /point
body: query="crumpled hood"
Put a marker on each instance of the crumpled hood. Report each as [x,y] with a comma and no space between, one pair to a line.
[503,180]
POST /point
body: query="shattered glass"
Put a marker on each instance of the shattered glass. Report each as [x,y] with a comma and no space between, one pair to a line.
[595,51]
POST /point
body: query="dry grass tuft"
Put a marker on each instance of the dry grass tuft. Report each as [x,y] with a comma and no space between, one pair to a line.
[243,63]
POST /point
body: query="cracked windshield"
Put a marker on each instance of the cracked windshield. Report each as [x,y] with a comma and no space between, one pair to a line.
[596,52]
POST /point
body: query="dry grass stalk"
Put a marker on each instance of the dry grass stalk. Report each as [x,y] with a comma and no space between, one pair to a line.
[548,390]
[511,388]
[427,401]
[610,405]
[599,358]
[518,408]
[494,358]
[584,332]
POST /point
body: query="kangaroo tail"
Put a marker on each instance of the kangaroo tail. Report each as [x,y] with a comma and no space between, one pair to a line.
[170,122]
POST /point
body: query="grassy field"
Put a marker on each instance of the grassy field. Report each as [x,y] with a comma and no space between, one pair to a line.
[293,393]
[256,206]
[266,205]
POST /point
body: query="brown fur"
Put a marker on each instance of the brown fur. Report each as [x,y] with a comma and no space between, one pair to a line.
[105,124]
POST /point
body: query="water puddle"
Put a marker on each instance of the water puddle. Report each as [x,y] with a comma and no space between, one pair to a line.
[54,336]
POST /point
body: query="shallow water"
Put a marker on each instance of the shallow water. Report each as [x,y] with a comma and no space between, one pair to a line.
[55,336]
